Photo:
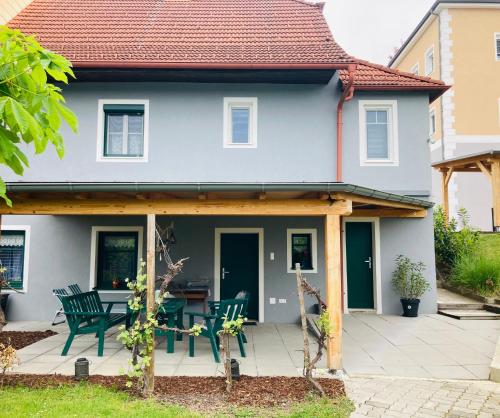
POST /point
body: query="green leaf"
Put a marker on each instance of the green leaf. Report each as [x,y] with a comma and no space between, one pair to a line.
[39,75]
[56,74]
[68,116]
[3,193]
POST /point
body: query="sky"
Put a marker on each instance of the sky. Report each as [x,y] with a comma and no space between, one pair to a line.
[371,29]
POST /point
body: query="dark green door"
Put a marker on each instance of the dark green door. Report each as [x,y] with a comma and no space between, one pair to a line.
[239,262]
[359,257]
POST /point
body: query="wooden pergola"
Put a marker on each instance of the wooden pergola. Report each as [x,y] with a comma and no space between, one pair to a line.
[487,163]
[331,201]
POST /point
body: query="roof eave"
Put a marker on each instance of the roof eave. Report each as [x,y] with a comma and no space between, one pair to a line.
[434,92]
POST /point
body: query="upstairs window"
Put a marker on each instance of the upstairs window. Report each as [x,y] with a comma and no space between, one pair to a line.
[240,122]
[14,257]
[497,46]
[432,123]
[378,132]
[415,69]
[429,61]
[124,131]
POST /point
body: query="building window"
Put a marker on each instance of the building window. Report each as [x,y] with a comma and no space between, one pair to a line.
[116,254]
[302,249]
[378,132]
[497,46]
[429,61]
[14,256]
[123,130]
[414,70]
[432,123]
[240,122]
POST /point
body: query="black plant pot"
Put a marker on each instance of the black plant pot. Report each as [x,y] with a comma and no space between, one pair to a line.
[410,307]
[3,303]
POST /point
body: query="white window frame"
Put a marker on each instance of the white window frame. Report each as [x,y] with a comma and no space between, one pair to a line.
[496,36]
[27,232]
[251,104]
[392,117]
[100,131]
[415,69]
[430,51]
[314,248]
[432,114]
[94,251]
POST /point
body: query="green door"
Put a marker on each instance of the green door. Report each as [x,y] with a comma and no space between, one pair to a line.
[239,262]
[359,257]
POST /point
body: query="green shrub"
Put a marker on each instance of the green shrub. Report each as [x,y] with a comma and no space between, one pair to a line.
[452,240]
[478,273]
[408,278]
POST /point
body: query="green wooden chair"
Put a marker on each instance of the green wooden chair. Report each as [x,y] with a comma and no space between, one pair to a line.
[75,289]
[230,308]
[86,315]
[213,305]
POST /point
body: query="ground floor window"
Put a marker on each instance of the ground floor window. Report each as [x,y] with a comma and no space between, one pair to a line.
[117,254]
[302,249]
[12,257]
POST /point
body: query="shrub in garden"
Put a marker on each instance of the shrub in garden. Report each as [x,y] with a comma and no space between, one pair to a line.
[408,279]
[452,240]
[478,273]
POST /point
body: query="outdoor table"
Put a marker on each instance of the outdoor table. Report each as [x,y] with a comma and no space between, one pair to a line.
[171,314]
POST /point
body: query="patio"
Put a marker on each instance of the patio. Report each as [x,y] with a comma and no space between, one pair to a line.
[431,346]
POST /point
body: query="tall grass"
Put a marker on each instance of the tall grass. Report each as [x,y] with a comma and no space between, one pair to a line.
[478,273]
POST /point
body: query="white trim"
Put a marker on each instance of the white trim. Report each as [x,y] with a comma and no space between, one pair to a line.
[429,52]
[447,74]
[415,69]
[217,266]
[496,36]
[392,107]
[251,104]
[100,131]
[314,248]
[377,276]
[432,130]
[93,250]
[473,139]
[27,234]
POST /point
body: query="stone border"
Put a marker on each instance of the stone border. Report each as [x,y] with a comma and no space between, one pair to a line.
[495,364]
[469,294]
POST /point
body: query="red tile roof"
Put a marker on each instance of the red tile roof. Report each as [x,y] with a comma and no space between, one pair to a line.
[184,33]
[369,76]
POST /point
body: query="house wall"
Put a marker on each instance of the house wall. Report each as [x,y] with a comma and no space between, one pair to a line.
[296,137]
[60,255]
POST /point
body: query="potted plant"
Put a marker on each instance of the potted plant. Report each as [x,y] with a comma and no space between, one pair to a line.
[408,280]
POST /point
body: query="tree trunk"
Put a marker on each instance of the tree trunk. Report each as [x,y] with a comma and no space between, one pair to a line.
[300,290]
[227,362]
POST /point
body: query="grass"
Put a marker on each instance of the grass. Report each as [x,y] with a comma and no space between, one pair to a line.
[489,245]
[478,273]
[86,400]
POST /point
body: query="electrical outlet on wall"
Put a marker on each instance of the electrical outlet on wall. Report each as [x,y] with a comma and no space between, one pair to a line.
[271,256]
[272,301]
[282,301]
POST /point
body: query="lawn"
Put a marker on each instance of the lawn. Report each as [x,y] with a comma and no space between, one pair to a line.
[87,400]
[489,245]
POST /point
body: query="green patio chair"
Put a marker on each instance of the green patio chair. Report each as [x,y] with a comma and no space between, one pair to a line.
[75,289]
[212,324]
[213,305]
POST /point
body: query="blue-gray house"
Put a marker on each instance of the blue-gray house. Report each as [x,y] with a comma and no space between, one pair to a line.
[253,138]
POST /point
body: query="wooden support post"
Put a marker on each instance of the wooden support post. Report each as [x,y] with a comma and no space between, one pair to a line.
[495,186]
[333,256]
[444,190]
[150,301]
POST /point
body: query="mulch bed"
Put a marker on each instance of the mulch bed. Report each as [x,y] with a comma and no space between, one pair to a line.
[202,392]
[21,339]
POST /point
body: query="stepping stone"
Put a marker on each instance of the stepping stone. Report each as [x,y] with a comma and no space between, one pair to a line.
[469,314]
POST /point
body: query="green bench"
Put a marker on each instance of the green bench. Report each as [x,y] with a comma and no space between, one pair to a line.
[85,315]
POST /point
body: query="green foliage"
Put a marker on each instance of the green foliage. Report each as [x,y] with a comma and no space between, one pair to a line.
[324,324]
[408,278]
[139,338]
[489,245]
[31,109]
[322,408]
[84,400]
[452,240]
[478,273]
[231,327]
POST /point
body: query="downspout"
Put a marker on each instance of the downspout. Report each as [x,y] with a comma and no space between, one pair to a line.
[347,95]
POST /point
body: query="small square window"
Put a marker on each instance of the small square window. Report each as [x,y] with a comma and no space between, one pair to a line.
[429,61]
[415,69]
[240,122]
[13,258]
[123,130]
[302,247]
